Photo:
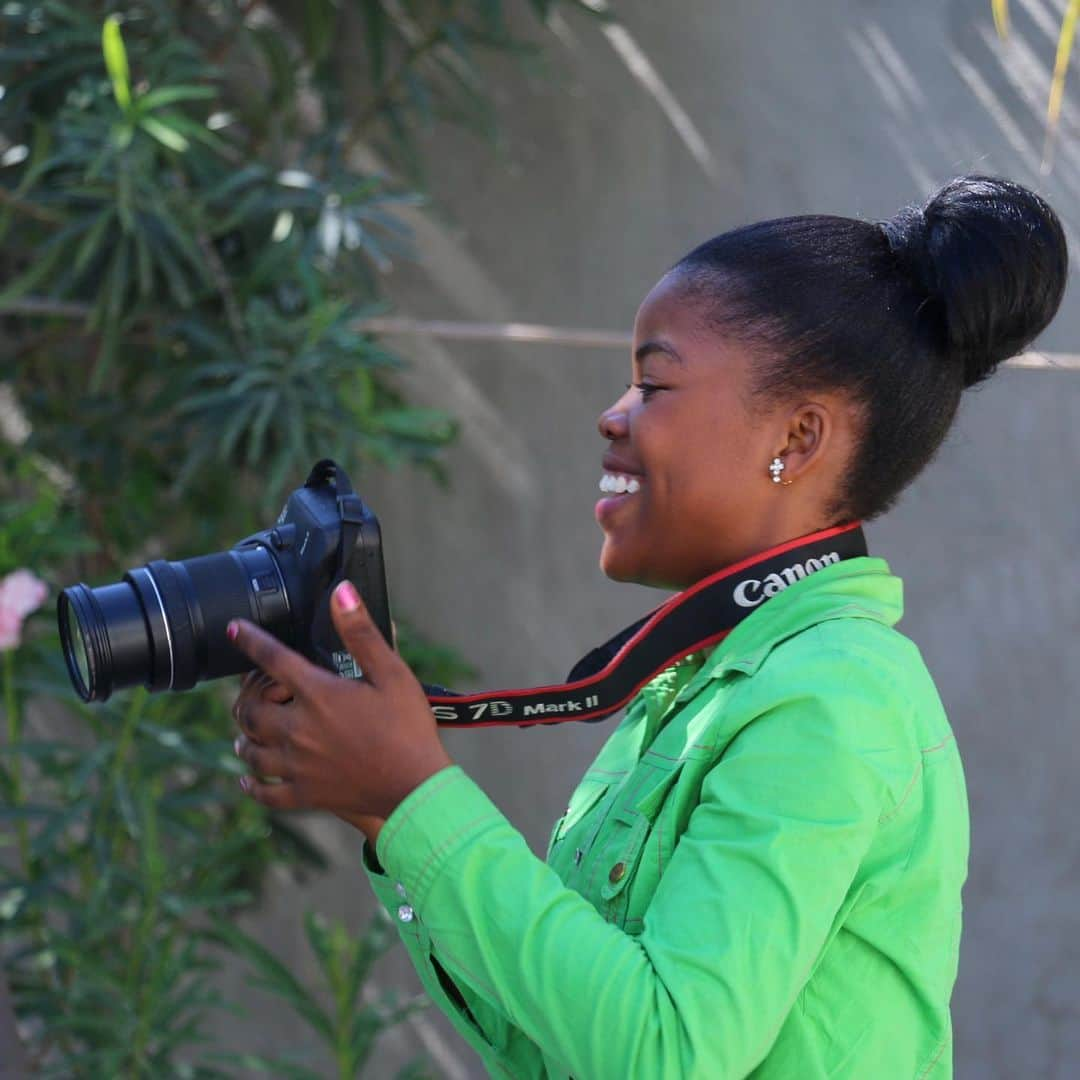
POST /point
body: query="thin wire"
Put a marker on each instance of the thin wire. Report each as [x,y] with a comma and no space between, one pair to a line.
[520,333]
[539,334]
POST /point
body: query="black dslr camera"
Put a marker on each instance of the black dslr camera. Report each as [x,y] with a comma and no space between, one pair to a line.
[164,625]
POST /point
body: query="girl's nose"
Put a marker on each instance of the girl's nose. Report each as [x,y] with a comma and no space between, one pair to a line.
[613,423]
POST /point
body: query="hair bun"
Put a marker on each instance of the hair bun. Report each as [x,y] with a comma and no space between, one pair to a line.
[994,255]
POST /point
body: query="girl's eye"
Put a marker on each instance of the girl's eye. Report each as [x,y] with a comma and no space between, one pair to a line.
[646,389]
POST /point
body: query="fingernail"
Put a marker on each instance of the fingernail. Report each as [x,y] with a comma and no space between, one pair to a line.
[236,746]
[245,782]
[233,631]
[347,597]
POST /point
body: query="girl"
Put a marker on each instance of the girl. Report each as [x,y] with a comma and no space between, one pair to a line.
[760,874]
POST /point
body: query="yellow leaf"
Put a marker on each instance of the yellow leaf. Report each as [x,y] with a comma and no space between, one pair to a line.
[1057,85]
[1001,17]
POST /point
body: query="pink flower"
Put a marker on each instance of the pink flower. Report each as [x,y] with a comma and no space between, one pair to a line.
[20,593]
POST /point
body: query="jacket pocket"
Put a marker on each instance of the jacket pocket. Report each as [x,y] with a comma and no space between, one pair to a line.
[588,793]
[631,852]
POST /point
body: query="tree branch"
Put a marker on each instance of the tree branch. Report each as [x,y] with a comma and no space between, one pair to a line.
[30,210]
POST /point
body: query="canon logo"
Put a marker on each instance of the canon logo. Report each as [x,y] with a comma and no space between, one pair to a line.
[751,592]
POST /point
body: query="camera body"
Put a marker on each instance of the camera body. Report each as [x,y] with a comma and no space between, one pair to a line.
[322,537]
[164,625]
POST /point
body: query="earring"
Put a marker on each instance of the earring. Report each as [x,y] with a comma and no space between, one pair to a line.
[777,468]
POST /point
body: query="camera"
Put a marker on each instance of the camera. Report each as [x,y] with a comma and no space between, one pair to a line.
[164,624]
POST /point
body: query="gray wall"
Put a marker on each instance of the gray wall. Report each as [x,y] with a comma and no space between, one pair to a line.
[851,107]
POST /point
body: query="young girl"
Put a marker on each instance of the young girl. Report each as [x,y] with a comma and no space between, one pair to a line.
[760,874]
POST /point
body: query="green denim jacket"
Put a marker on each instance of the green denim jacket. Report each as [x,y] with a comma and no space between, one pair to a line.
[758,876]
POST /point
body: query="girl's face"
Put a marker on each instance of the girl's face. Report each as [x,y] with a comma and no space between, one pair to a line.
[693,461]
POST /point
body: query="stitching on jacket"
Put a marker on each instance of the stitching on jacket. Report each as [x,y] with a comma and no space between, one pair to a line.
[934,1060]
[915,776]
[681,758]
[416,806]
[940,746]
[658,829]
[903,798]
[665,757]
[605,772]
[659,845]
[449,841]
[633,795]
[593,833]
[589,883]
[596,836]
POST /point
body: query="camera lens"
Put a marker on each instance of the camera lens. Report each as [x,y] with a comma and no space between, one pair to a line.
[76,649]
[164,625]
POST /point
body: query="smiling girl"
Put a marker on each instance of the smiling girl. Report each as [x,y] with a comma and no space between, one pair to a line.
[760,875]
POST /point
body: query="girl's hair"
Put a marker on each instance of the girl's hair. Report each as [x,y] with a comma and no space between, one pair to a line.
[902,314]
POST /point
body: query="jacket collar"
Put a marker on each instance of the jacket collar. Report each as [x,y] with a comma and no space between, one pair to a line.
[859,588]
[855,588]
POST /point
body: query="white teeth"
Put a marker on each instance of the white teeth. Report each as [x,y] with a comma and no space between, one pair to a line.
[617,484]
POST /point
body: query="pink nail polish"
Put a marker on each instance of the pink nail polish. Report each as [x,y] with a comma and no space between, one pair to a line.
[233,631]
[347,597]
[244,783]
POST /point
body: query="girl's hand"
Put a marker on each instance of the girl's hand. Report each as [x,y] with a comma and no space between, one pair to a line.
[353,748]
[258,686]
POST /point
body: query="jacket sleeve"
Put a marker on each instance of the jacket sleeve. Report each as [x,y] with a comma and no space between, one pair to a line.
[739,918]
[483,1026]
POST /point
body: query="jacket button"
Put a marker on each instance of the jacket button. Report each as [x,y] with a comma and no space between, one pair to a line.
[405,913]
[617,872]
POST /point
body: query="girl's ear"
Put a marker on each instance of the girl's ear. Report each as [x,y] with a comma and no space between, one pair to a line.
[809,432]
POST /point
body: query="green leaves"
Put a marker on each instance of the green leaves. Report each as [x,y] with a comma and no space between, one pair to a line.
[190,248]
[165,133]
[347,1021]
[171,95]
[303,386]
[143,112]
[116,62]
[110,899]
[272,975]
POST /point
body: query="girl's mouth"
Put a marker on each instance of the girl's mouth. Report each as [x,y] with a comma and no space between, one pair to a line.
[618,488]
[619,484]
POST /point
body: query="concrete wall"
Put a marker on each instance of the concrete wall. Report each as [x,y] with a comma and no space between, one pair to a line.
[635,145]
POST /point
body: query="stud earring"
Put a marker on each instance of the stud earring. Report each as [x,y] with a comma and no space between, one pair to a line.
[776,469]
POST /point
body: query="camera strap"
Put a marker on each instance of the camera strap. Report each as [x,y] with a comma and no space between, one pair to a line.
[352,516]
[605,679]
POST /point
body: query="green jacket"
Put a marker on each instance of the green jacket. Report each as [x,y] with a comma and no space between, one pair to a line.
[758,876]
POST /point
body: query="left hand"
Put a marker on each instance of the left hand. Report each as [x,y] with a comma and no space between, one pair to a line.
[353,748]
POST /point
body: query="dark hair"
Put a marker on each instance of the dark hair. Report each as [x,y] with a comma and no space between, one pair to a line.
[902,314]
